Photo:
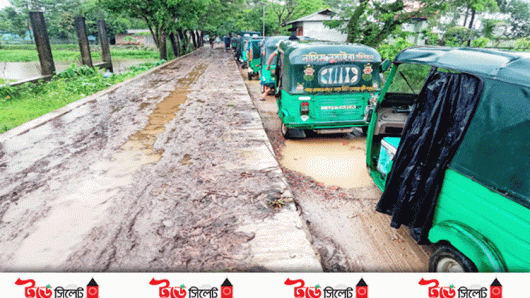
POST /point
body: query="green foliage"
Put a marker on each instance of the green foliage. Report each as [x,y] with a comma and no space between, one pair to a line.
[26,102]
[70,53]
[415,74]
[457,36]
[389,51]
[430,38]
[522,43]
[13,21]
[518,18]
[480,42]
[390,15]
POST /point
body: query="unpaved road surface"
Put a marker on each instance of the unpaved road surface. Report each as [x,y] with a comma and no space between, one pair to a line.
[337,198]
[146,178]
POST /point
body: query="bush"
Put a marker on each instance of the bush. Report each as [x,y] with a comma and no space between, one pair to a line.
[25,102]
[457,36]
[522,43]
[480,42]
[389,51]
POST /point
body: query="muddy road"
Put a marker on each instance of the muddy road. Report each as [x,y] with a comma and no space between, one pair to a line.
[337,199]
[153,176]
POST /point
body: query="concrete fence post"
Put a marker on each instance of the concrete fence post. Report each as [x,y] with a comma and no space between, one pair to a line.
[105,47]
[42,42]
[83,41]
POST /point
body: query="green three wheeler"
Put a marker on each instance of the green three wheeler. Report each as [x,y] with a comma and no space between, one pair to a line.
[254,54]
[448,146]
[269,45]
[326,87]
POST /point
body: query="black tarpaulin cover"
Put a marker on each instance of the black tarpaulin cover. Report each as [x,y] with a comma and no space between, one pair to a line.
[430,139]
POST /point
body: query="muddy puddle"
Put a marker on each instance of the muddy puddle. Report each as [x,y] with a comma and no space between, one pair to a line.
[138,150]
[333,161]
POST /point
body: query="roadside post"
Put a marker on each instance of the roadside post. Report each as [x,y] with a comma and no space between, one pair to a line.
[42,42]
[83,41]
[105,48]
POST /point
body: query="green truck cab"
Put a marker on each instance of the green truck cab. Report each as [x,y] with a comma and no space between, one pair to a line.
[464,115]
[326,87]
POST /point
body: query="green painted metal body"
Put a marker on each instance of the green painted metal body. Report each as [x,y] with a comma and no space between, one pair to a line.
[336,80]
[345,110]
[489,224]
[254,54]
[269,45]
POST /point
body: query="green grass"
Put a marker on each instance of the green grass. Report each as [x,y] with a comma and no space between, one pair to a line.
[26,102]
[70,53]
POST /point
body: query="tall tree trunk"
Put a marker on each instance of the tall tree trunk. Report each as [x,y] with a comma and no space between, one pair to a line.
[471,26]
[194,39]
[472,19]
[174,45]
[465,18]
[162,47]
[183,43]
[198,39]
[202,38]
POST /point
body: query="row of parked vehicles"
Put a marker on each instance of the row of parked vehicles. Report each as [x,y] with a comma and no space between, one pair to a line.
[446,136]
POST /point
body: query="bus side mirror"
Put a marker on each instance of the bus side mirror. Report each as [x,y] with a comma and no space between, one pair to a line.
[385,65]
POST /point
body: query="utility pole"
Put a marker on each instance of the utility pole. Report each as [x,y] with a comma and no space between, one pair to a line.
[264,5]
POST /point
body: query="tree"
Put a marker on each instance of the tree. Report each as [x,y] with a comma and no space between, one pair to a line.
[371,22]
[13,21]
[291,10]
[518,19]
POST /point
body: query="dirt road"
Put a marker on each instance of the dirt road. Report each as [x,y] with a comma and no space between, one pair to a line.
[330,182]
[153,176]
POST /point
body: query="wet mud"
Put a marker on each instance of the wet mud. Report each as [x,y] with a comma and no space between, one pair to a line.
[336,198]
[141,179]
[331,160]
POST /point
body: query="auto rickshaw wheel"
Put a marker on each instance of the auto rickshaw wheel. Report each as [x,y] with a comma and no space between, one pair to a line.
[286,131]
[249,75]
[446,258]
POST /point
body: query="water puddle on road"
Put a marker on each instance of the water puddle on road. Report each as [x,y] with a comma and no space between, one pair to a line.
[68,220]
[332,161]
[138,150]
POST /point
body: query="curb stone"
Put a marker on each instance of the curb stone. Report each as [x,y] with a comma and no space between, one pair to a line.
[282,243]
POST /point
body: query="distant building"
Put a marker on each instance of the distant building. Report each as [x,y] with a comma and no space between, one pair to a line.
[135,37]
[313,26]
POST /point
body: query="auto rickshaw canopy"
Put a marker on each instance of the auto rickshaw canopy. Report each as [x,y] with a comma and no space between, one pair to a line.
[270,44]
[327,67]
[505,66]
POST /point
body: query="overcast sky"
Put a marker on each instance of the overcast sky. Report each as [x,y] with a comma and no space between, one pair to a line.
[4,3]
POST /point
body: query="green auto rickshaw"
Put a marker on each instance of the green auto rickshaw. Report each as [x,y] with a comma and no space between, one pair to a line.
[240,54]
[243,50]
[253,56]
[448,146]
[235,42]
[269,45]
[325,87]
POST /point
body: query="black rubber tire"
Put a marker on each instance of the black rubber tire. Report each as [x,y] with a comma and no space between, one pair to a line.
[249,76]
[286,132]
[446,253]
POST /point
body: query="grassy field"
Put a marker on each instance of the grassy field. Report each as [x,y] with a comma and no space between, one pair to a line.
[26,102]
[70,53]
